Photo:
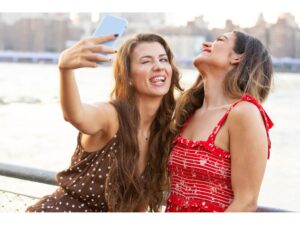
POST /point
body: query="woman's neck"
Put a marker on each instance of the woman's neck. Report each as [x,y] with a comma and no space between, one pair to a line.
[147,107]
[214,96]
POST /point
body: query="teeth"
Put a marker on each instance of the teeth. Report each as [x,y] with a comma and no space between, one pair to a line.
[158,78]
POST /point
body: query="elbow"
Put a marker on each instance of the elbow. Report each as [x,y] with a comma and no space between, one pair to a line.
[245,204]
[251,205]
[66,118]
[72,119]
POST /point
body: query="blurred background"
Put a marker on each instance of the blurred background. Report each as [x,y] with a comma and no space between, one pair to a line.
[33,132]
[39,37]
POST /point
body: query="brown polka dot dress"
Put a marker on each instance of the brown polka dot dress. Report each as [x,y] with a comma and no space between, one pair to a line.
[82,185]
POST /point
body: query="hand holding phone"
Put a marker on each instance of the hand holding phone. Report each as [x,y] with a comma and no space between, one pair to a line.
[111,25]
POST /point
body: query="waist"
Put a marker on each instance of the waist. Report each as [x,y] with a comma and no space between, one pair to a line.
[176,203]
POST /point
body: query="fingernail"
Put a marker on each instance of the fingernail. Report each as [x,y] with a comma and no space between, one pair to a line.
[116,35]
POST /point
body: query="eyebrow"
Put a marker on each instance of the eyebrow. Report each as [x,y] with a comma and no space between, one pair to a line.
[149,56]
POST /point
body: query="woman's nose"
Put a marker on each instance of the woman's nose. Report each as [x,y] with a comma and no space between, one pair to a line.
[206,44]
[158,65]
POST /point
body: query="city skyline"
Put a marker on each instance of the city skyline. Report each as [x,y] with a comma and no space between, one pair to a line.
[215,12]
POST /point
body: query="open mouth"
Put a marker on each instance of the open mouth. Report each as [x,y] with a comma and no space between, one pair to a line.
[159,79]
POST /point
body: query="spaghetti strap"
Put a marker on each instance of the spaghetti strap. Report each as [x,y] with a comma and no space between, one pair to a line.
[215,131]
[185,125]
[249,98]
[267,121]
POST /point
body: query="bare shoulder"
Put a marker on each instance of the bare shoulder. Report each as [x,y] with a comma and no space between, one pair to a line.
[109,112]
[106,107]
[245,113]
[108,120]
[244,110]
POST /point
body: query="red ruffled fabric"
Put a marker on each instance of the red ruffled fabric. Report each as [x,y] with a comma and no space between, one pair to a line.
[178,204]
[192,177]
[208,146]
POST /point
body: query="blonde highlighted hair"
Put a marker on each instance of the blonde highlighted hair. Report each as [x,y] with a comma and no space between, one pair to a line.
[253,75]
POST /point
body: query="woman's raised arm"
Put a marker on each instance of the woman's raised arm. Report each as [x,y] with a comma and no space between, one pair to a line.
[87,118]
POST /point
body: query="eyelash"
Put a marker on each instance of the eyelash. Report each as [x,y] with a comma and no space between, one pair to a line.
[220,39]
[163,59]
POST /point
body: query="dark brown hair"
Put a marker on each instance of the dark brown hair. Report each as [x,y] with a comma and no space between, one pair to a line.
[253,75]
[127,190]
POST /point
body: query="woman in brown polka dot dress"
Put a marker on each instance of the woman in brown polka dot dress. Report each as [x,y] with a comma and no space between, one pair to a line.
[120,160]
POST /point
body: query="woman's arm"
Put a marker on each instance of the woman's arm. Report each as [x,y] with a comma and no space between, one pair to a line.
[89,119]
[249,150]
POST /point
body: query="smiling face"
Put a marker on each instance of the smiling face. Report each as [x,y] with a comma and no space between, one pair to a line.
[218,54]
[151,72]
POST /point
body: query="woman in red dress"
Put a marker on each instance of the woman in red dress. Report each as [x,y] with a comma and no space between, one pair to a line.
[222,144]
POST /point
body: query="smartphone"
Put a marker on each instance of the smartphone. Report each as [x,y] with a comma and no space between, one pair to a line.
[111,25]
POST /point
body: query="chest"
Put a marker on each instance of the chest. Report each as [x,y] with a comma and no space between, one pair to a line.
[202,125]
[142,160]
[198,162]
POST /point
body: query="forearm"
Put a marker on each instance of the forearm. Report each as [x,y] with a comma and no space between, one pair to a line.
[70,101]
[83,54]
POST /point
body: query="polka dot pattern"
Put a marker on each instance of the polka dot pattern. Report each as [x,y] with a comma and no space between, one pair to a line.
[82,185]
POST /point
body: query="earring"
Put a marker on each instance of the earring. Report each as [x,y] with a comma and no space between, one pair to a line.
[130,83]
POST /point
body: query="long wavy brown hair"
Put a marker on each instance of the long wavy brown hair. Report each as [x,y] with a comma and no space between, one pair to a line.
[253,75]
[128,190]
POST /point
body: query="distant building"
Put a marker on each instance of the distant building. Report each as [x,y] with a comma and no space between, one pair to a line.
[229,26]
[284,37]
[140,22]
[261,30]
[40,32]
[53,32]
[185,46]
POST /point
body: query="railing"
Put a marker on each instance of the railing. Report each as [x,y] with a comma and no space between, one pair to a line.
[34,57]
[28,173]
[21,201]
[12,201]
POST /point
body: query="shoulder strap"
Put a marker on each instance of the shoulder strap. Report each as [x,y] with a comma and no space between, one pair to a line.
[267,121]
[215,131]
[186,124]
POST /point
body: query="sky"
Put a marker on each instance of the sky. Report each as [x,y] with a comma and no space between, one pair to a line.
[241,12]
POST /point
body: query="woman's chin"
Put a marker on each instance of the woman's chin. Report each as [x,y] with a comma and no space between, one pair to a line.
[197,62]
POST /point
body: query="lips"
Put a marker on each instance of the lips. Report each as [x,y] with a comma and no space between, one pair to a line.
[206,50]
[158,79]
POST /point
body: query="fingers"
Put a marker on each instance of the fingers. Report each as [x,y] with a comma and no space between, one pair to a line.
[96,57]
[89,64]
[94,44]
[102,48]
[101,39]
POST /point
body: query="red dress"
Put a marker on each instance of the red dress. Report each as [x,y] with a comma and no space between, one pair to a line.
[200,171]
